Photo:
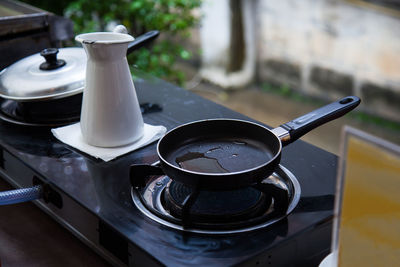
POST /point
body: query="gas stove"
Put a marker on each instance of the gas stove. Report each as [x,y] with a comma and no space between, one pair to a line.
[133,224]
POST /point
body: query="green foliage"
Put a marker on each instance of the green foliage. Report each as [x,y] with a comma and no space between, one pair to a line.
[173,18]
[283,89]
[379,121]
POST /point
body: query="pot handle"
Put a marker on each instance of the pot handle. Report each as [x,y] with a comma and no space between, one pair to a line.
[142,40]
[293,130]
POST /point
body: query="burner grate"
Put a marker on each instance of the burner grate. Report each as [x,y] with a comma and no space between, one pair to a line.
[151,199]
[216,206]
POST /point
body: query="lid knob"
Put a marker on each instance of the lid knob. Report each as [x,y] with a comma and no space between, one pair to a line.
[50,54]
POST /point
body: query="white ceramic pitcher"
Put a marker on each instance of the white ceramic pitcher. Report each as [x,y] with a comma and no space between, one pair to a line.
[110,113]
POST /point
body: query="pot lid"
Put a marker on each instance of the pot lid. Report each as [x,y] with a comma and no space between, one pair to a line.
[47,75]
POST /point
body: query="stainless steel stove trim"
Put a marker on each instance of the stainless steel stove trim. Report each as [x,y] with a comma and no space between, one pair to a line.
[281,171]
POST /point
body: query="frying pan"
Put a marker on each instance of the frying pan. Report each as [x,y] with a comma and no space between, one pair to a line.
[225,154]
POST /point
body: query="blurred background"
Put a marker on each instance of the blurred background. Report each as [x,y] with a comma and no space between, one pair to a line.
[270,60]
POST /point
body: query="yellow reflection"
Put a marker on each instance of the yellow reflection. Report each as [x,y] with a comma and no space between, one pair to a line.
[369,233]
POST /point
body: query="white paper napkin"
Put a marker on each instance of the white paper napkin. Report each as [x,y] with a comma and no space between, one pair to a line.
[71,135]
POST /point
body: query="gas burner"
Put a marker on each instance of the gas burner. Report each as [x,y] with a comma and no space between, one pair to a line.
[217,212]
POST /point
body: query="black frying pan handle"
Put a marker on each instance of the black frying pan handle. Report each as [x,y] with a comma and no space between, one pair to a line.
[142,40]
[302,125]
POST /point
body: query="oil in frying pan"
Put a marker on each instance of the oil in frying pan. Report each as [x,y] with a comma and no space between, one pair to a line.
[205,162]
[220,155]
[199,162]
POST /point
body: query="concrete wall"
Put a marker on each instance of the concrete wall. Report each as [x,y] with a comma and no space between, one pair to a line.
[330,48]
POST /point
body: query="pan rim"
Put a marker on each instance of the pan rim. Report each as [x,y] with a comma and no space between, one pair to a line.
[277,154]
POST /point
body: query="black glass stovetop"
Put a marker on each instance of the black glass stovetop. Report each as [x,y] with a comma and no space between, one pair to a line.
[97,206]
